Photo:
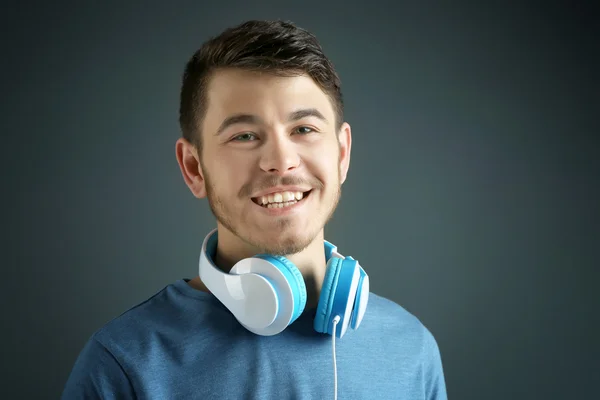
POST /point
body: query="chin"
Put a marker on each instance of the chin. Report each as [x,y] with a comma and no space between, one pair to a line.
[284,241]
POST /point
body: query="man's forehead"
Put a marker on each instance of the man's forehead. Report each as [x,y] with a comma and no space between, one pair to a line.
[237,91]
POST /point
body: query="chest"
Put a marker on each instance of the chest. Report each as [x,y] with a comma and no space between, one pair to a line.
[288,366]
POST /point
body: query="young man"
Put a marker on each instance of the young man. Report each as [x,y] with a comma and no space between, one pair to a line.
[264,140]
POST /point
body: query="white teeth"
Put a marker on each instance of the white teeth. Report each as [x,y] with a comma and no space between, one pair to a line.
[278,199]
[281,205]
[288,196]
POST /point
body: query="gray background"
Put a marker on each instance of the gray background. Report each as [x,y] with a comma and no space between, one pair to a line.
[472,199]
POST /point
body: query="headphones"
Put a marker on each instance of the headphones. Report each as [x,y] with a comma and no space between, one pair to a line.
[266,293]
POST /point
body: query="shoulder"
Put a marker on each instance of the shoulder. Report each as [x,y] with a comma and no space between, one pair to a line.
[399,325]
[388,312]
[142,313]
[166,312]
[403,346]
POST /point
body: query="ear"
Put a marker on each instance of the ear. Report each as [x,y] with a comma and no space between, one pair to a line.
[191,168]
[345,143]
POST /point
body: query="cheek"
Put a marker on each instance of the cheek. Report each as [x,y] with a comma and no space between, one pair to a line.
[330,166]
[234,173]
[324,158]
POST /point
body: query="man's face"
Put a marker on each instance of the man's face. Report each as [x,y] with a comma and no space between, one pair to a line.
[272,139]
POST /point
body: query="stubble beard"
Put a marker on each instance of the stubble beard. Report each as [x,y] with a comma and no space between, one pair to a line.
[283,247]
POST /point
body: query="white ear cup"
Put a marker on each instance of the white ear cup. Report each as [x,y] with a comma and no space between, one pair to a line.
[259,304]
[251,298]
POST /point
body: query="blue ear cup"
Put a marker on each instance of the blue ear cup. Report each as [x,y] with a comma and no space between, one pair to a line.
[336,293]
[295,279]
[326,296]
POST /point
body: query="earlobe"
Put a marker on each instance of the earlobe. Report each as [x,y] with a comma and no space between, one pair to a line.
[191,170]
[345,142]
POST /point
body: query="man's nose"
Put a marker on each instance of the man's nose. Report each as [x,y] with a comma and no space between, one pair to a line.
[280,155]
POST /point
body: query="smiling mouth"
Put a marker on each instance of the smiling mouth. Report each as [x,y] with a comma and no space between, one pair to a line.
[281,199]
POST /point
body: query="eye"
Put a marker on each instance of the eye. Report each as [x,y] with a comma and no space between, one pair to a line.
[244,137]
[303,130]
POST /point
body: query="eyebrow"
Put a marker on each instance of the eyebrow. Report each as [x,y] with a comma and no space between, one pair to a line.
[253,119]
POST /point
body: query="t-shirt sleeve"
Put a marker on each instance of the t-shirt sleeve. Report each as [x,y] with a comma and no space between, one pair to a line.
[435,385]
[97,375]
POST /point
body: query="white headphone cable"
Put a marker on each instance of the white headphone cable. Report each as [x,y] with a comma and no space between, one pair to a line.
[336,320]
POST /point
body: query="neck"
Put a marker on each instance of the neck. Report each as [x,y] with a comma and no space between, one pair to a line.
[310,261]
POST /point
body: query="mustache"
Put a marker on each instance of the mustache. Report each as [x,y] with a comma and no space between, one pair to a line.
[273,180]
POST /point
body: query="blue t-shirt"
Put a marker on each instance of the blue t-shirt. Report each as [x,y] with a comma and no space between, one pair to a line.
[184,344]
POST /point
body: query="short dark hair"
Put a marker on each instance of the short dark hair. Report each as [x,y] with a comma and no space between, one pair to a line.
[277,47]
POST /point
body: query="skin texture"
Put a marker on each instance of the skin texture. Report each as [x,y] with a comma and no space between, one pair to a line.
[257,153]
